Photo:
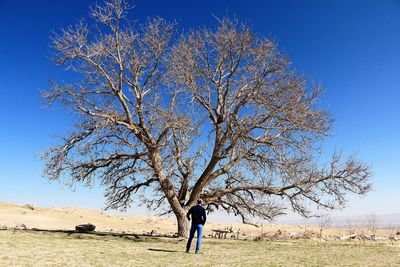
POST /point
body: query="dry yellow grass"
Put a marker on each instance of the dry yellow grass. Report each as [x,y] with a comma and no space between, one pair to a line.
[58,249]
[24,248]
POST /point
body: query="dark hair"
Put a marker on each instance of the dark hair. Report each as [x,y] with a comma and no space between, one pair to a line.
[199,201]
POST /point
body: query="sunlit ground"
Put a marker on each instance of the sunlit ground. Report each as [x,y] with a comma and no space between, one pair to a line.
[59,249]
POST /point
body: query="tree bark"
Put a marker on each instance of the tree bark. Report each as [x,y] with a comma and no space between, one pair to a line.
[179,211]
[183,225]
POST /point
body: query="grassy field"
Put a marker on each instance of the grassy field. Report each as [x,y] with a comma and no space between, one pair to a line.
[59,249]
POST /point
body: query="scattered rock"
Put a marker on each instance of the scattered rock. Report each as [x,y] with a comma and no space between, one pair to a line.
[20,227]
[29,206]
[153,232]
[84,228]
[3,227]
[347,237]
[284,235]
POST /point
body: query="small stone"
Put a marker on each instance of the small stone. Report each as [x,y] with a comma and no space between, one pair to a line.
[20,227]
[29,206]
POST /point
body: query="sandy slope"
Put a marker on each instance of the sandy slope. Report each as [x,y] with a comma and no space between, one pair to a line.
[66,218]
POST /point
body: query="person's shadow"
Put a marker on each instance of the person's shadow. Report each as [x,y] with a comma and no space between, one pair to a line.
[163,250]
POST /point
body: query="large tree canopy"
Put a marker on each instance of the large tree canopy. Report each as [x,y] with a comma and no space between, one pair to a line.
[217,114]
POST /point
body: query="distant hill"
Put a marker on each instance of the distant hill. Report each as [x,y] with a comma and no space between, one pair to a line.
[384,220]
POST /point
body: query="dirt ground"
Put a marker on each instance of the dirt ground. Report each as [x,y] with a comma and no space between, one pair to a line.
[24,248]
[32,248]
[67,218]
[12,215]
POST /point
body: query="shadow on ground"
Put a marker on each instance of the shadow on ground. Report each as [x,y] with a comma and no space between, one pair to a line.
[77,234]
[164,250]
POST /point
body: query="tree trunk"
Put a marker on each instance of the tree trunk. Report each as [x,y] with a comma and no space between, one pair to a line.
[179,211]
[183,225]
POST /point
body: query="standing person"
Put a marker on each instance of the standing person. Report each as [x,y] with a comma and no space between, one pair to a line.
[198,220]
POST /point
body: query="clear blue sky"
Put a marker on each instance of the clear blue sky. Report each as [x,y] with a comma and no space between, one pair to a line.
[351,47]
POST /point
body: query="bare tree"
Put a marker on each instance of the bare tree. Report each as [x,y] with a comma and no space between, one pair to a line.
[372,222]
[324,222]
[216,114]
[350,226]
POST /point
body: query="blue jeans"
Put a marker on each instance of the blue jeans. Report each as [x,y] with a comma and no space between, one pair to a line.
[199,229]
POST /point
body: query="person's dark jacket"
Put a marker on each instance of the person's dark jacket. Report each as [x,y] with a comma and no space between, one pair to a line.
[198,215]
